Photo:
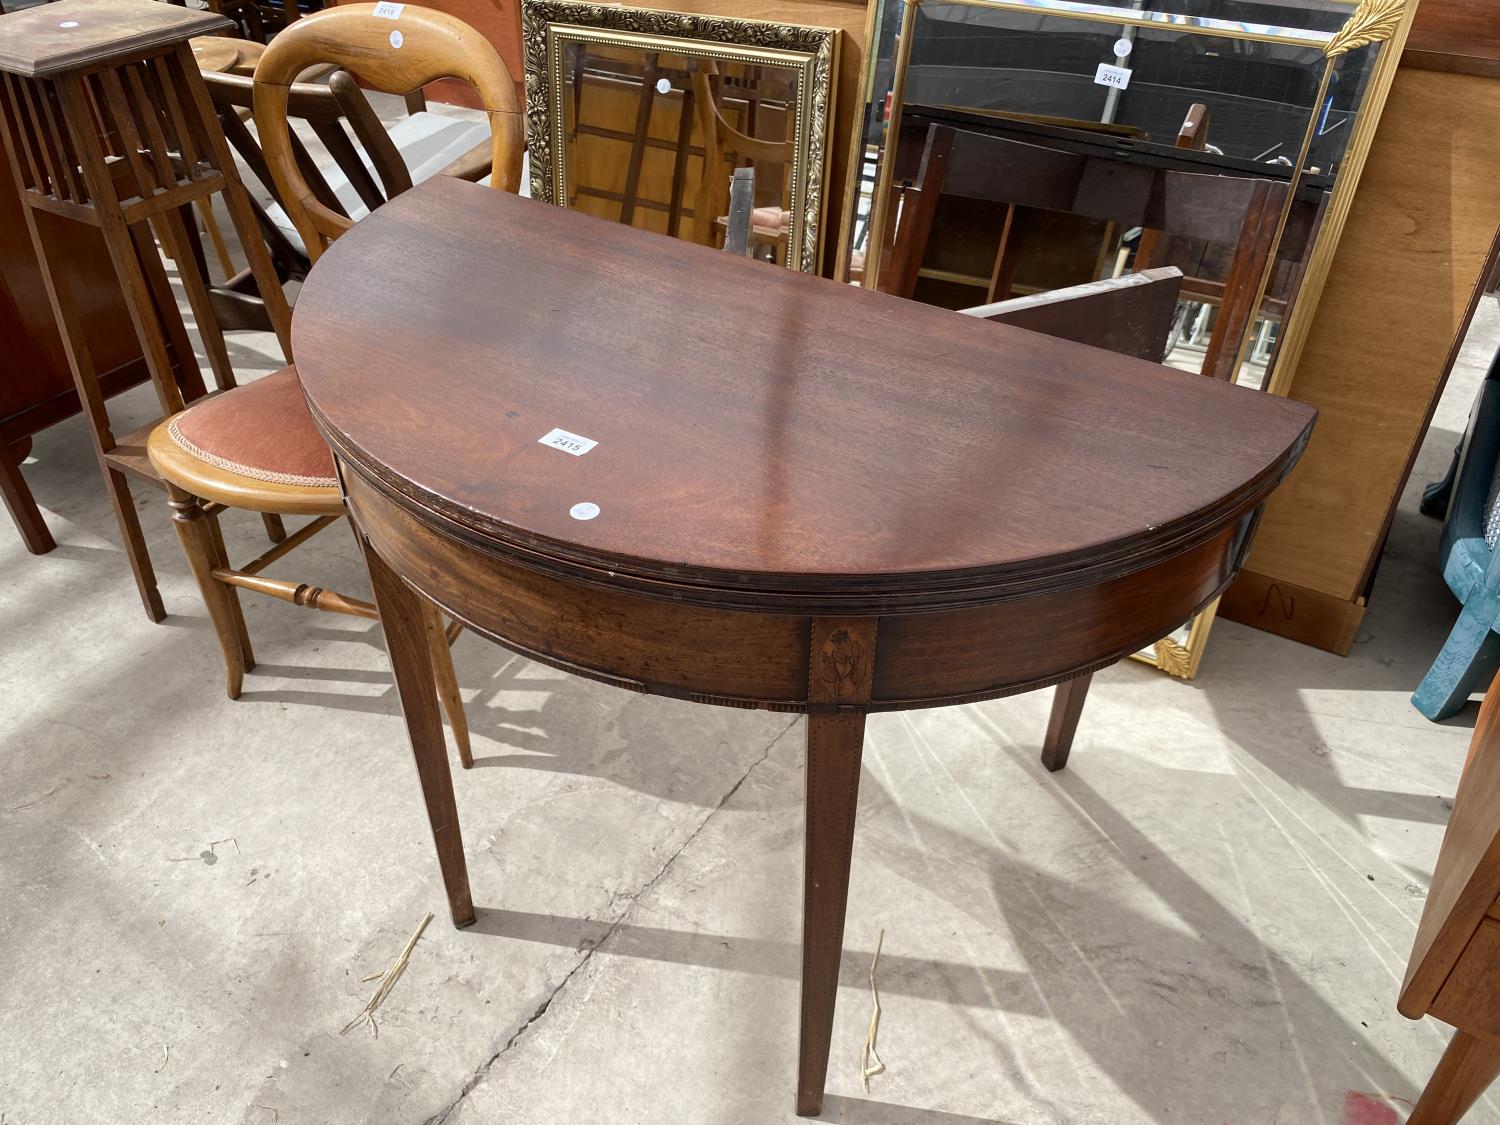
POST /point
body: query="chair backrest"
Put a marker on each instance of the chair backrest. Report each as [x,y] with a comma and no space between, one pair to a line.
[722,140]
[397,55]
[1131,315]
[328,110]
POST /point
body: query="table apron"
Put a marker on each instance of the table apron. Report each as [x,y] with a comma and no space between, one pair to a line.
[761,659]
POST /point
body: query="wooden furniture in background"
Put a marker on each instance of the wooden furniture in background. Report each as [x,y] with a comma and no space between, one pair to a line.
[737,222]
[1130,315]
[108,126]
[1238,211]
[772,87]
[851,19]
[1426,217]
[223,54]
[635,129]
[725,148]
[259,20]
[36,385]
[256,448]
[628,87]
[1454,970]
[332,111]
[831,525]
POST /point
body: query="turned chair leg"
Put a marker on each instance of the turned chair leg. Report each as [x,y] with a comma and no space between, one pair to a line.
[1067,706]
[204,549]
[447,682]
[275,529]
[19,502]
[247,654]
[1463,1074]
[403,617]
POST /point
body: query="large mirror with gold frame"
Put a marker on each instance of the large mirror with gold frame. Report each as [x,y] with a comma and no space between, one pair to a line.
[642,117]
[1019,146]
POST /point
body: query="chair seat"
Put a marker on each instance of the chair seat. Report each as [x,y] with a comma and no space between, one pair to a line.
[252,447]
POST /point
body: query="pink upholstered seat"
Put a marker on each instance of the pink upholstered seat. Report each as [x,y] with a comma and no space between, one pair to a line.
[770,218]
[261,430]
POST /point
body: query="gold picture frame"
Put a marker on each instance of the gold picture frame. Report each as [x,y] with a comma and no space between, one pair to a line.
[1384,22]
[549,26]
[1373,21]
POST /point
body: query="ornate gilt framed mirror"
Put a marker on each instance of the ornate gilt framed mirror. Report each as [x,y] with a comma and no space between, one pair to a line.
[1018,146]
[641,116]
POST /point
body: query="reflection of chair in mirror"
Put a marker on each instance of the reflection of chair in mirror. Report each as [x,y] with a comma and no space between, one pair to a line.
[1454,970]
[726,147]
[1237,211]
[1131,315]
[629,106]
[1471,565]
[257,447]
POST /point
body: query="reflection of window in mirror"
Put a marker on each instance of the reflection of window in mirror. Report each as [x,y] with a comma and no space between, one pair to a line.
[1259,94]
[1234,95]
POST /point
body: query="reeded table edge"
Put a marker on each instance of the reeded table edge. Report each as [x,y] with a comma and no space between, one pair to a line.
[820,594]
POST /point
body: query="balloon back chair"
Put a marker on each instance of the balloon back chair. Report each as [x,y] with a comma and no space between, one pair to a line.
[256,447]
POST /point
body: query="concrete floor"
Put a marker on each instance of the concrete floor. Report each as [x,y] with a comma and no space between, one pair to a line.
[1204,919]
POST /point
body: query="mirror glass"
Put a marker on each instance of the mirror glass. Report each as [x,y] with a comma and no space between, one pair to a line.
[1118,138]
[643,118]
[651,138]
[1012,147]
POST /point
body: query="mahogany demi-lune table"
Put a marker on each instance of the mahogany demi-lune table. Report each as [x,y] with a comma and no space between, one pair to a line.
[686,473]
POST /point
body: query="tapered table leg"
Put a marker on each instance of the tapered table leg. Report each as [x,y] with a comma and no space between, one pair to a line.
[403,618]
[834,747]
[841,669]
[1463,1074]
[1067,706]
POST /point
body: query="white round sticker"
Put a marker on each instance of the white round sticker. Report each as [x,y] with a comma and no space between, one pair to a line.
[1123,47]
[663,85]
[68,23]
[397,39]
[584,511]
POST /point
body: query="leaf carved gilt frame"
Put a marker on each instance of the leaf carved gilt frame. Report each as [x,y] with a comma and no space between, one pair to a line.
[547,26]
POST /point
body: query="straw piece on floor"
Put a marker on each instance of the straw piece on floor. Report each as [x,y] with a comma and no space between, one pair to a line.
[388,981]
[868,1069]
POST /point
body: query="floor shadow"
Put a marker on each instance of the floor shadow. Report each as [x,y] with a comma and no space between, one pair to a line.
[858,1111]
[1154,1006]
[943,981]
[522,715]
